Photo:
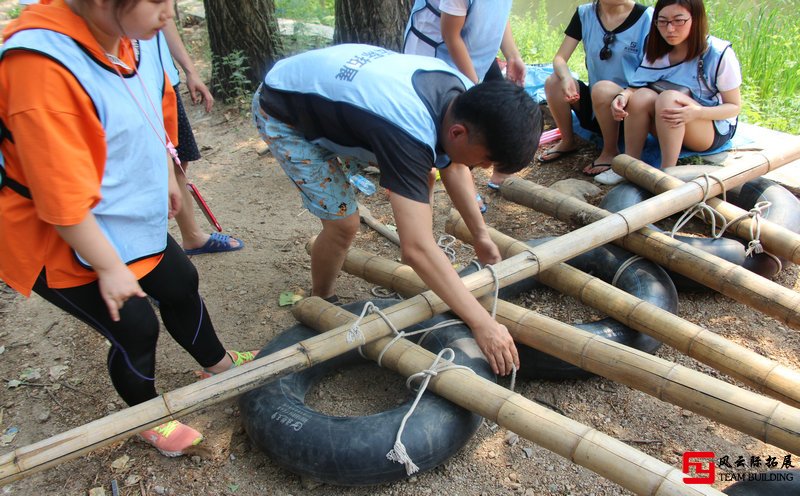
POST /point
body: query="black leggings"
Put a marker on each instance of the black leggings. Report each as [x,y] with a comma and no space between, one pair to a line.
[173,284]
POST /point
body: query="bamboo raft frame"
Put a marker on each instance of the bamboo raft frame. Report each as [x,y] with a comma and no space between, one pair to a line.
[776,239]
[725,277]
[579,443]
[75,442]
[763,418]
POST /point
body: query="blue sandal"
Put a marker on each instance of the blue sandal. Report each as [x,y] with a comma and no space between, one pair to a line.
[217,243]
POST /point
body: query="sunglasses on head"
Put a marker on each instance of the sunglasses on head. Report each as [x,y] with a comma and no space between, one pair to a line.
[605,52]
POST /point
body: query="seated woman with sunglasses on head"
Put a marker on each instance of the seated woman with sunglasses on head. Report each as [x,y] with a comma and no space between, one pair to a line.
[613,34]
[680,51]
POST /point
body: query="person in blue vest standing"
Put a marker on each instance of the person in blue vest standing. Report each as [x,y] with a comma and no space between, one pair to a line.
[326,111]
[702,112]
[613,33]
[194,239]
[87,122]
[467,35]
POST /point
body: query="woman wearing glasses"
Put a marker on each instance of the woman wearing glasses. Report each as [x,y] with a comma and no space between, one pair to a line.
[700,116]
[613,34]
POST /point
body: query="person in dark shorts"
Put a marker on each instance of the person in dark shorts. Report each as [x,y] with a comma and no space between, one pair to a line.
[194,239]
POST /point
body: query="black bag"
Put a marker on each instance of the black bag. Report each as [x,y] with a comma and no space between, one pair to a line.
[661,86]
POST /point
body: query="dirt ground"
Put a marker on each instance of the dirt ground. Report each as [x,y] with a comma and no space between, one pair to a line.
[60,362]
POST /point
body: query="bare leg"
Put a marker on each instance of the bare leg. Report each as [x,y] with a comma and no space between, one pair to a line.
[562,114]
[602,94]
[192,236]
[641,114]
[695,135]
[329,252]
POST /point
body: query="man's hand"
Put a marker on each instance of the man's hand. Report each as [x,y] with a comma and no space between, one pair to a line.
[486,250]
[498,346]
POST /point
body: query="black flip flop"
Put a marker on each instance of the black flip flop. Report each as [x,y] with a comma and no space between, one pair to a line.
[592,174]
[555,155]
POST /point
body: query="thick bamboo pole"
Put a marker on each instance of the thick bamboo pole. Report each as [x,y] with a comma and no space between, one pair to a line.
[757,371]
[583,445]
[764,418]
[718,274]
[776,239]
[422,307]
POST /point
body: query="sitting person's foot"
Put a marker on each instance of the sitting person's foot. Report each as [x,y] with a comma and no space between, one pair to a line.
[172,438]
[598,165]
[214,243]
[609,177]
[556,152]
[237,358]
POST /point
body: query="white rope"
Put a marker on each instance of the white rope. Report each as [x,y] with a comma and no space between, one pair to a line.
[446,242]
[440,364]
[702,208]
[627,263]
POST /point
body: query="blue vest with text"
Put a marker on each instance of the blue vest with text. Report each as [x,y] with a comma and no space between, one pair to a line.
[132,212]
[359,75]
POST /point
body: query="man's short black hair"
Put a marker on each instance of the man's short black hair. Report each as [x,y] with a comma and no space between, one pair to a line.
[505,118]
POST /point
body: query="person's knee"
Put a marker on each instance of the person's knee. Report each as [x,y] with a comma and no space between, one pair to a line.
[603,92]
[341,232]
[642,99]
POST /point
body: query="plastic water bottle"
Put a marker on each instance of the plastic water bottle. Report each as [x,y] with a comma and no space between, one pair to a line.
[362,184]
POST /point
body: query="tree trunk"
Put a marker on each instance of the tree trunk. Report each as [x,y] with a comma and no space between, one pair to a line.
[245,43]
[374,22]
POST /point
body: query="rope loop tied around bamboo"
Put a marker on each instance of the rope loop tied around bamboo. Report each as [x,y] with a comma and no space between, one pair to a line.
[703,208]
[441,363]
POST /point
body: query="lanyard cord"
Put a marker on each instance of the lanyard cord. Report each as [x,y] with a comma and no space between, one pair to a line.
[117,63]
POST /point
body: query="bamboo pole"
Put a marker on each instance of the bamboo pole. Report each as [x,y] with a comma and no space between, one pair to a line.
[763,418]
[718,274]
[776,239]
[65,446]
[739,362]
[581,444]
[368,219]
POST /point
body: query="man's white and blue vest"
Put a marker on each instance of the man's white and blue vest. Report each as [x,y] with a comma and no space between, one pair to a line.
[482,32]
[698,74]
[132,212]
[627,49]
[357,75]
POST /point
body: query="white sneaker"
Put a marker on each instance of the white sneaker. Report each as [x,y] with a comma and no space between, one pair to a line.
[609,177]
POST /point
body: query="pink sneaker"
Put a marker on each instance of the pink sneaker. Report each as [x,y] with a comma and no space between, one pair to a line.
[172,438]
[237,357]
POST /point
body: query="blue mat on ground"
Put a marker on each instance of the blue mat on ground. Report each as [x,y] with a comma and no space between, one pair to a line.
[534,85]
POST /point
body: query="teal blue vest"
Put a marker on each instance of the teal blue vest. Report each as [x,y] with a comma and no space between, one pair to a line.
[482,32]
[358,75]
[133,210]
[627,49]
[698,74]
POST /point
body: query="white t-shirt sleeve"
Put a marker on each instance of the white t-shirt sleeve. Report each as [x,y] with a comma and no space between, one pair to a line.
[730,72]
[454,7]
